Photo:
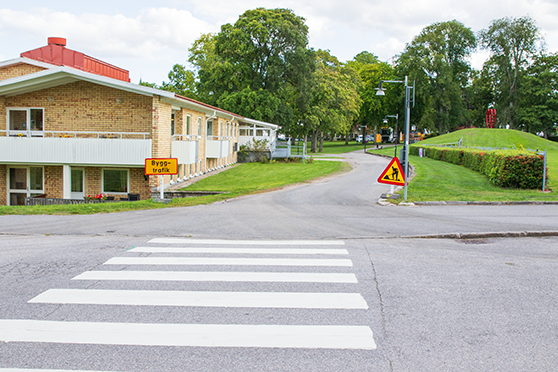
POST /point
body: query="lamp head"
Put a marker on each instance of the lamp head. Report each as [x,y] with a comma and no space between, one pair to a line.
[380,90]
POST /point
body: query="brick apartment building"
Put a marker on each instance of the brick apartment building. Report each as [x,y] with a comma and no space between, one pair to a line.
[72,125]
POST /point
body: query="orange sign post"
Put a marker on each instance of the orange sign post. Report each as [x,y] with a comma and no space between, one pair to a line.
[161,167]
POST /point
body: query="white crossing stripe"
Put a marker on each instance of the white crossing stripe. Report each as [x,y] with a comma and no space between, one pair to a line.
[246,242]
[293,300]
[227,261]
[315,251]
[199,335]
[219,276]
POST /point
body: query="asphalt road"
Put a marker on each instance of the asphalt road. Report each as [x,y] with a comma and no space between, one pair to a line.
[341,207]
[387,302]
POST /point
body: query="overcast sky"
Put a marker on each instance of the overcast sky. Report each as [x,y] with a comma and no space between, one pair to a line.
[149,37]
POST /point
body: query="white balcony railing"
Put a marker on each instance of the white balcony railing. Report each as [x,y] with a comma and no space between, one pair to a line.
[87,148]
[217,147]
[185,148]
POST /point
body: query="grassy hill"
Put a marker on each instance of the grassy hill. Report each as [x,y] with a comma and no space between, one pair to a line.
[482,137]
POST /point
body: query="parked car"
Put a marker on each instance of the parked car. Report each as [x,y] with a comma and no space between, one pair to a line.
[368,138]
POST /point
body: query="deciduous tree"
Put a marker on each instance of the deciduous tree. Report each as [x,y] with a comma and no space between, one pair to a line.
[511,42]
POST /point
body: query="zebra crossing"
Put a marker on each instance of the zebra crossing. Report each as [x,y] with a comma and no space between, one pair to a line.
[178,260]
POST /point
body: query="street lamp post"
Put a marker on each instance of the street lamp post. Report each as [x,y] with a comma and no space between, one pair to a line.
[396,116]
[381,92]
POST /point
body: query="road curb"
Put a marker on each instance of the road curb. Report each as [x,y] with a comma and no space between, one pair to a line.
[526,202]
[486,235]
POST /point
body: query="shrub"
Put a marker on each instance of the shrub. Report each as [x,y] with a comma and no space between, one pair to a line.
[505,168]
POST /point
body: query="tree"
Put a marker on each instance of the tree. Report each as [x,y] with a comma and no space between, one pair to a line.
[335,101]
[437,60]
[374,108]
[539,95]
[266,50]
[512,42]
[479,95]
[181,81]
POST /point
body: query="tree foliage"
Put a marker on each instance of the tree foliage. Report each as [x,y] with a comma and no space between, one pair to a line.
[263,57]
[335,100]
[512,42]
[437,60]
[539,95]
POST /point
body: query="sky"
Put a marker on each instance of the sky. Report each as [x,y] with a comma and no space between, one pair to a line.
[149,37]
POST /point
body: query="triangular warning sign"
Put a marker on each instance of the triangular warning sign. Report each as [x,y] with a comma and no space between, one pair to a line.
[393,174]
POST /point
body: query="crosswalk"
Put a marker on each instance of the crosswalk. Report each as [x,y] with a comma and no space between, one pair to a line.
[190,262]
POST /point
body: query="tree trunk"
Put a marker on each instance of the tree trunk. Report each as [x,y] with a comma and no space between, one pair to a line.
[321,141]
[347,138]
[314,141]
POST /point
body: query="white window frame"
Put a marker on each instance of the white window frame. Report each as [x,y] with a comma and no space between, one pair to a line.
[27,132]
[28,191]
[188,125]
[114,192]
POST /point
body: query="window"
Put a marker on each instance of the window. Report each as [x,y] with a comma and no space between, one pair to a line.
[187,129]
[199,126]
[209,128]
[25,121]
[172,124]
[243,132]
[115,181]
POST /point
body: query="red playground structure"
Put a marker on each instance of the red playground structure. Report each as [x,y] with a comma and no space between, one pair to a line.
[490,118]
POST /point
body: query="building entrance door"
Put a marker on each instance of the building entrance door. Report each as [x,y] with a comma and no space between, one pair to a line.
[77,183]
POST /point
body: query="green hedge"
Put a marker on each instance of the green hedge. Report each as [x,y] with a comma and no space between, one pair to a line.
[504,168]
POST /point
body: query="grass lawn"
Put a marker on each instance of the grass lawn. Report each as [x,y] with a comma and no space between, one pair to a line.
[250,178]
[241,180]
[440,181]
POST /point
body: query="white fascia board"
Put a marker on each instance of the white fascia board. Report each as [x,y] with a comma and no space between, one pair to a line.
[61,75]
[257,122]
[180,102]
[27,61]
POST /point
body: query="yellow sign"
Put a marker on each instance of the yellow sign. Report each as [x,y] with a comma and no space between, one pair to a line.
[393,174]
[161,166]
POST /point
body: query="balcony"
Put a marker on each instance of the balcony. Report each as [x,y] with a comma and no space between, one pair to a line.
[217,147]
[185,148]
[64,147]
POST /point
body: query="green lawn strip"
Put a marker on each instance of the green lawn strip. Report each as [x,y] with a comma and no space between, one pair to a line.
[244,179]
[254,177]
[439,181]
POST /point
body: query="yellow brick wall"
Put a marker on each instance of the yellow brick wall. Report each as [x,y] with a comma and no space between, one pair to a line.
[161,132]
[18,70]
[3,180]
[54,182]
[83,106]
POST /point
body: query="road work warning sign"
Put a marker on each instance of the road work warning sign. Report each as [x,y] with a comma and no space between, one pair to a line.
[161,166]
[393,174]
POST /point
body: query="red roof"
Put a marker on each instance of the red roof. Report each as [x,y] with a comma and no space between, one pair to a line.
[56,53]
